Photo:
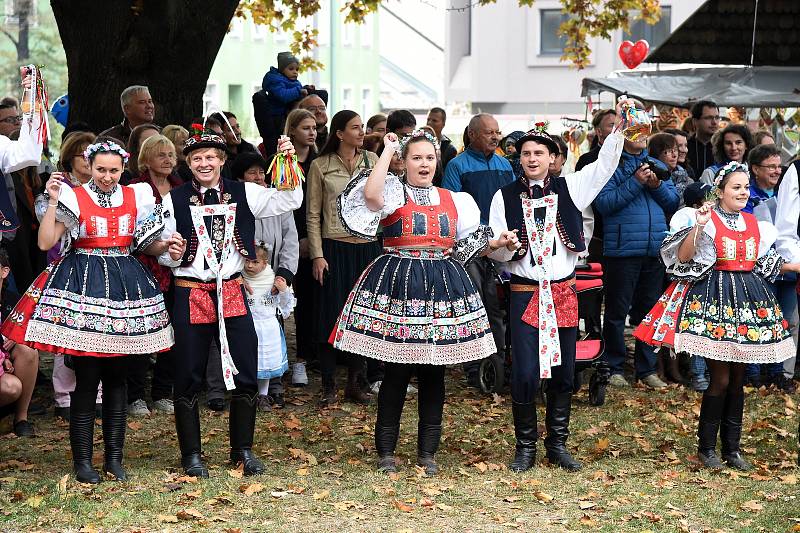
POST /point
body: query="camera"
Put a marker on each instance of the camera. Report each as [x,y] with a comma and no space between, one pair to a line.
[657,168]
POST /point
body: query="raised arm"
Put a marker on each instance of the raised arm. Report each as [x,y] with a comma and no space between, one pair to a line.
[50,229]
[373,190]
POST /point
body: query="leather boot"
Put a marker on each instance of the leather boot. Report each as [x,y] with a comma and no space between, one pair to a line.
[328,396]
[707,428]
[385,444]
[187,424]
[559,405]
[730,432]
[242,425]
[81,435]
[115,413]
[428,437]
[526,433]
[352,390]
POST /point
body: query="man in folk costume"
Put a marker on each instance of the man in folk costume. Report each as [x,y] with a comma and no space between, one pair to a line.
[218,216]
[546,211]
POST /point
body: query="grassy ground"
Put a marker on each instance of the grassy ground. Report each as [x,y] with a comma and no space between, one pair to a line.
[640,473]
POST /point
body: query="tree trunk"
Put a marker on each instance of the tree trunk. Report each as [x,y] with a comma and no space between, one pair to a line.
[168,45]
[23,14]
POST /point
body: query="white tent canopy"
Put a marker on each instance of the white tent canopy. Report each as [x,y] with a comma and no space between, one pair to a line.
[727,86]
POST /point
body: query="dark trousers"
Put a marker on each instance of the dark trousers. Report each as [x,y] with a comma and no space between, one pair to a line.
[481,272]
[190,353]
[89,372]
[525,355]
[330,356]
[161,385]
[304,314]
[392,394]
[633,286]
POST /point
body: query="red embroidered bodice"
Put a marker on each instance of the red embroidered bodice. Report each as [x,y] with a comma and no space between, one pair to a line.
[422,226]
[106,227]
[736,250]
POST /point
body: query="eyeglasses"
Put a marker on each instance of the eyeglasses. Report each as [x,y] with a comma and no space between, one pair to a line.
[711,117]
[12,120]
[770,167]
[315,108]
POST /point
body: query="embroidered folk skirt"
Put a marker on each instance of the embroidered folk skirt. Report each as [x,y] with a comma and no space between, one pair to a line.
[727,316]
[95,303]
[417,307]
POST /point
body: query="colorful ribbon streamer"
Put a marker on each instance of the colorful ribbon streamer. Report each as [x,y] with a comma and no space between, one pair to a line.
[285,172]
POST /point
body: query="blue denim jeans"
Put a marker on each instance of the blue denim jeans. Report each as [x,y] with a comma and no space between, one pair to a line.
[633,286]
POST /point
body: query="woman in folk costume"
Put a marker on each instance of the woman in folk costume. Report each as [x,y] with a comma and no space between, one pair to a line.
[547,211]
[97,303]
[414,307]
[721,308]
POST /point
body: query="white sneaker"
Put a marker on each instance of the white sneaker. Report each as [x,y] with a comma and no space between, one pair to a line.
[299,376]
[138,408]
[617,380]
[411,389]
[164,405]
[654,382]
[375,387]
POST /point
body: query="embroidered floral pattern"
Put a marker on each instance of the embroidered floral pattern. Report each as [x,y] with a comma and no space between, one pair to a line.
[467,249]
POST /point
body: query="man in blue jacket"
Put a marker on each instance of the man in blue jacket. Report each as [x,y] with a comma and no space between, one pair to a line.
[633,205]
[479,171]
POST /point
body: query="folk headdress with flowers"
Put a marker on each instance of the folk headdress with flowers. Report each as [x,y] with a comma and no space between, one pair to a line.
[203,138]
[538,134]
[415,135]
[105,147]
[728,169]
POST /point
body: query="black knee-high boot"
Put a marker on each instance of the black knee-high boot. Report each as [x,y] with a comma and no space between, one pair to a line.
[242,425]
[730,432]
[559,406]
[115,413]
[81,436]
[428,438]
[526,433]
[385,444]
[707,428]
[187,424]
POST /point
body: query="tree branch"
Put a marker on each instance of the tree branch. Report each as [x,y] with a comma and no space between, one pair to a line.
[11,37]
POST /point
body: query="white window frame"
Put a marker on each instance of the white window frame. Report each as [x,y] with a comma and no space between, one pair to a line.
[323,23]
[210,95]
[236,31]
[348,33]
[259,32]
[345,104]
[366,100]
[533,52]
[367,31]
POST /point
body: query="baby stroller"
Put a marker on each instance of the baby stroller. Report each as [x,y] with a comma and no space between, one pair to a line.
[495,370]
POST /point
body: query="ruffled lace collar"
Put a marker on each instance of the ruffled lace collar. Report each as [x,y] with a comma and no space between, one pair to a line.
[421,195]
[103,197]
[729,219]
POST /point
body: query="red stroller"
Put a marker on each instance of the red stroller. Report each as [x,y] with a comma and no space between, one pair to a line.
[495,370]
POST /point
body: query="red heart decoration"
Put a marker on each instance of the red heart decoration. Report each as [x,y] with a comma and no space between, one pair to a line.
[633,54]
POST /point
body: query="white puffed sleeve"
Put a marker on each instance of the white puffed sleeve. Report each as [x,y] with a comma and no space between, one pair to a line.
[705,255]
[472,238]
[358,219]
[67,211]
[286,302]
[149,219]
[769,261]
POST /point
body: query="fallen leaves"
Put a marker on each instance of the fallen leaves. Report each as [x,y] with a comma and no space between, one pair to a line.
[751,506]
[248,489]
[400,506]
[321,495]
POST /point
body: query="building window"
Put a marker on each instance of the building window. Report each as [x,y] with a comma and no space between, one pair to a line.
[210,96]
[236,29]
[550,42]
[259,32]
[348,33]
[654,34]
[323,23]
[366,32]
[366,103]
[235,99]
[347,98]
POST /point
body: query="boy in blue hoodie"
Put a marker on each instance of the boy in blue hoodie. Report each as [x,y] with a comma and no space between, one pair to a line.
[282,88]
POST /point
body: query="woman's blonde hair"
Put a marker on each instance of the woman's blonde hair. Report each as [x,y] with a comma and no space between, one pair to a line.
[173,132]
[295,117]
[151,146]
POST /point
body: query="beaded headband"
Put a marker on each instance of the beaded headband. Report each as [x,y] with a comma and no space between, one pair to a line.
[729,168]
[414,135]
[105,147]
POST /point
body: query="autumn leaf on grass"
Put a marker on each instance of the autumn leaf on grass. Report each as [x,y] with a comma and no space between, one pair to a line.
[34,501]
[167,518]
[588,521]
[238,472]
[602,445]
[248,489]
[789,479]
[190,514]
[543,496]
[62,486]
[400,506]
[585,504]
[482,467]
[752,506]
[134,425]
[322,494]
[292,422]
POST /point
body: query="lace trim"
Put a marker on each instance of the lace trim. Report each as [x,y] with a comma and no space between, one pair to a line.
[769,266]
[416,353]
[103,197]
[729,219]
[421,195]
[473,245]
[63,213]
[734,352]
[364,174]
[698,267]
[149,230]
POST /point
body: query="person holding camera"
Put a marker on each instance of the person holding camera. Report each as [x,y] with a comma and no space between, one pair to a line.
[633,205]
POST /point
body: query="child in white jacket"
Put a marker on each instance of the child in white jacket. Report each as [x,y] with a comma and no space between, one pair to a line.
[269,297]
